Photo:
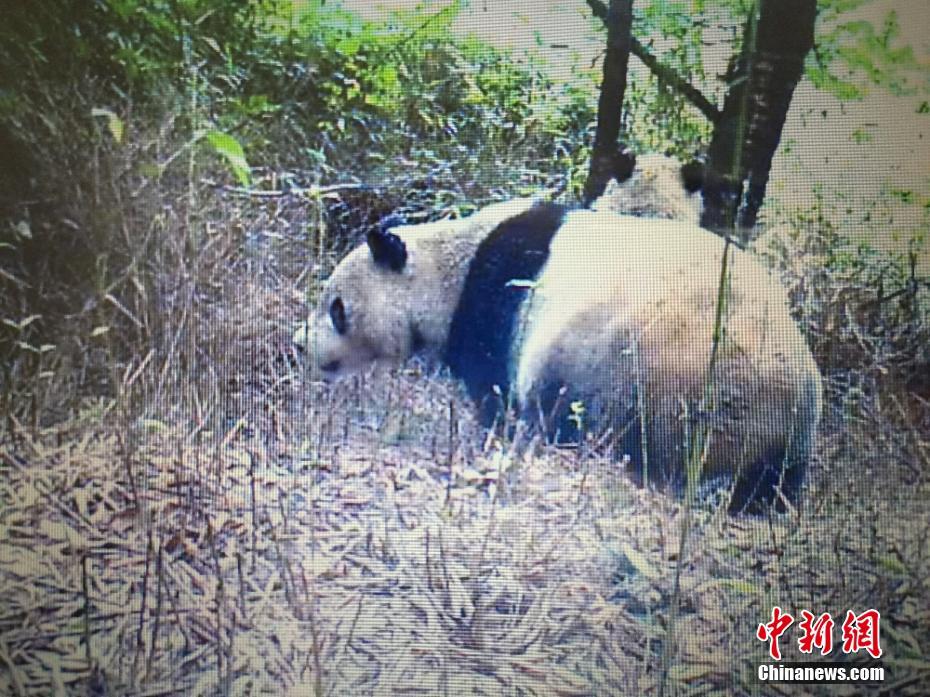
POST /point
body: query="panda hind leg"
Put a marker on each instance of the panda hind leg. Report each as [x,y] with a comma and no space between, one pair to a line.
[566,417]
[756,490]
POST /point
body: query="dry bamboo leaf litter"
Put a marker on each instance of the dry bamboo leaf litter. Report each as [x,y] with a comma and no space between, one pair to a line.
[244,565]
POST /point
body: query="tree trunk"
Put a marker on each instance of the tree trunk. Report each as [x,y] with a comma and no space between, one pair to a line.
[745,139]
[607,158]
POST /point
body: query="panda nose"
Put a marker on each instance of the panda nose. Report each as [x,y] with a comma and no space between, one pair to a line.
[300,337]
[331,367]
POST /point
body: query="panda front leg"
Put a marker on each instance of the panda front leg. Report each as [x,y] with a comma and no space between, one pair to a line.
[540,387]
[564,384]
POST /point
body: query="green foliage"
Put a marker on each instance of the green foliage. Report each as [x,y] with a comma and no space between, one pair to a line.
[132,44]
[675,20]
[230,149]
[339,92]
[367,91]
[353,95]
[657,117]
[577,415]
[131,54]
[851,55]
[114,122]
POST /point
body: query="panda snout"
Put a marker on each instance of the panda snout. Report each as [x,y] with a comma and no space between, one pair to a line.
[331,367]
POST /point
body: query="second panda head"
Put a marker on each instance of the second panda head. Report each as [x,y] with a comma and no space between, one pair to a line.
[657,187]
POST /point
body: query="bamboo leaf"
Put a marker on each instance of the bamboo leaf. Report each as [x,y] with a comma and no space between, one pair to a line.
[230,149]
[114,122]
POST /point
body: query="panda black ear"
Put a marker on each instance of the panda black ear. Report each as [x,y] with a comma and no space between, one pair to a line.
[692,176]
[624,162]
[387,249]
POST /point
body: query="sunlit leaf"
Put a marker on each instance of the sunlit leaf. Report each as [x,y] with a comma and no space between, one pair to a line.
[231,150]
[213,44]
[387,76]
[23,230]
[114,122]
[349,46]
[154,425]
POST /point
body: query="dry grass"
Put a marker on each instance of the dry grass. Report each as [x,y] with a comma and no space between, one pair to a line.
[337,556]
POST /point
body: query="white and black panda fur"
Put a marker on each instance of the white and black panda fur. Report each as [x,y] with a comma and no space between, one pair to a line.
[618,310]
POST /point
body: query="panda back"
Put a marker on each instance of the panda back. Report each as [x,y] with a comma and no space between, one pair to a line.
[613,281]
[602,256]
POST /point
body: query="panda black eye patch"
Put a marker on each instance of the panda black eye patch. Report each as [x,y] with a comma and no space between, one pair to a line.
[337,315]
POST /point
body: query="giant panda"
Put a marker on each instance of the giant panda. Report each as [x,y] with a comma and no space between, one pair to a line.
[579,312]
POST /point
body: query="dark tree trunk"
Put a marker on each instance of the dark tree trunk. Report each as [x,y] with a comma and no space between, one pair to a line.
[607,157]
[762,83]
[762,79]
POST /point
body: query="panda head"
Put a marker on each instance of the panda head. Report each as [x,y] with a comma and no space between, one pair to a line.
[657,187]
[395,295]
[362,314]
